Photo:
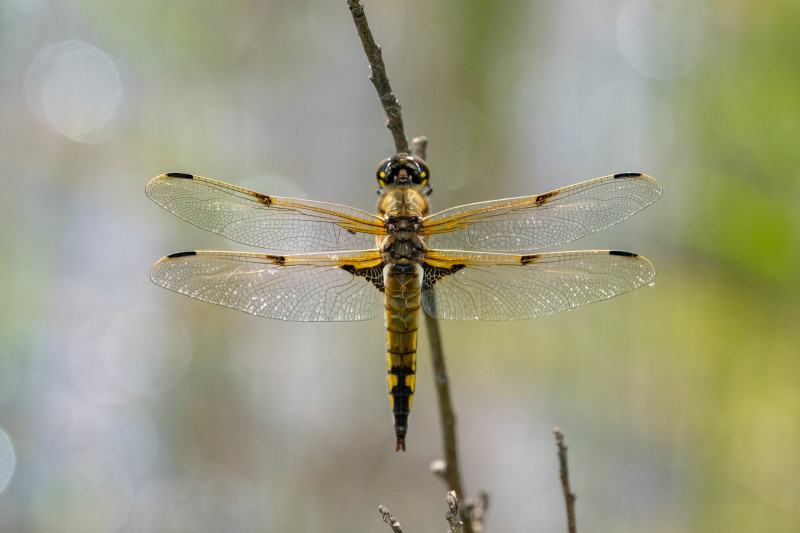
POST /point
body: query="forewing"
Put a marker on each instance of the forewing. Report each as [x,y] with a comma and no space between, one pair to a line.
[271,222]
[302,288]
[459,286]
[535,222]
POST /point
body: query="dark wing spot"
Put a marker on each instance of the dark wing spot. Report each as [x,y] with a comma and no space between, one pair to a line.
[372,274]
[432,274]
[623,254]
[180,175]
[627,175]
[528,259]
[181,254]
[278,260]
[544,198]
[263,198]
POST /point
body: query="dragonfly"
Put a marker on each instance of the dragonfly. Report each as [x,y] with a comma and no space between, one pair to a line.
[473,262]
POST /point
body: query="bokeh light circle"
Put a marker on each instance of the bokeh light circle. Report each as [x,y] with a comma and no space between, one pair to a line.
[550,101]
[106,436]
[662,38]
[140,350]
[9,374]
[73,501]
[86,363]
[74,89]
[627,126]
[8,460]
[146,349]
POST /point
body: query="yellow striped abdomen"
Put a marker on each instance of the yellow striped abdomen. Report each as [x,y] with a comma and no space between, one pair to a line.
[402,289]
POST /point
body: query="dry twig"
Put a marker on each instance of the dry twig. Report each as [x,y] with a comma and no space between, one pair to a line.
[389,519]
[452,513]
[395,123]
[563,471]
[378,76]
[476,512]
[448,469]
[419,147]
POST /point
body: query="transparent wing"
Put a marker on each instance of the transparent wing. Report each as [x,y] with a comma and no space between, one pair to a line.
[302,288]
[463,286]
[534,222]
[271,222]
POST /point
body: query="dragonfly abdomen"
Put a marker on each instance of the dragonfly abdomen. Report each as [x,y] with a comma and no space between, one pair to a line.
[402,290]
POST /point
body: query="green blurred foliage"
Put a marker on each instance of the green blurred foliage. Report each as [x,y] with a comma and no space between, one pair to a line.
[747,130]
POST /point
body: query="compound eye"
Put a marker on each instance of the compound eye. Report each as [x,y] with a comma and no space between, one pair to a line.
[382,174]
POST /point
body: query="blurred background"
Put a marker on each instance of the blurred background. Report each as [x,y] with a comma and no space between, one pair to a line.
[125,407]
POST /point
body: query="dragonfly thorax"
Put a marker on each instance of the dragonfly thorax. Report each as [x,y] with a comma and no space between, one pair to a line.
[399,203]
[402,209]
[403,226]
[399,250]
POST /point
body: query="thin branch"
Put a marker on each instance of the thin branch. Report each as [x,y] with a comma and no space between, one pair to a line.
[419,147]
[563,471]
[476,512]
[452,514]
[378,76]
[389,519]
[449,470]
[395,124]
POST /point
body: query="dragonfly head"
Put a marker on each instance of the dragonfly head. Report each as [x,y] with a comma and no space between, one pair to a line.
[403,169]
